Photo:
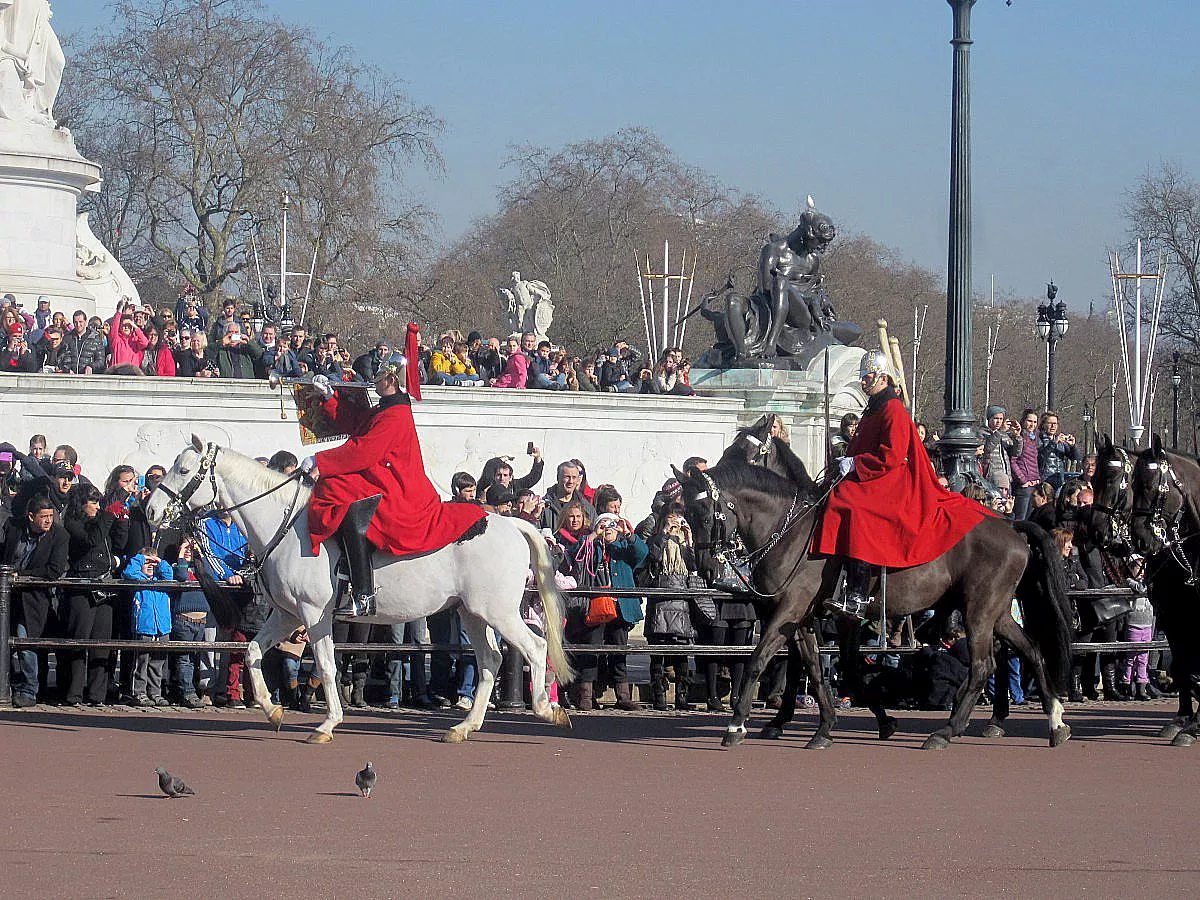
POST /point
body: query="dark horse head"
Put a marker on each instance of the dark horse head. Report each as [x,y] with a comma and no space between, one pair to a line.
[1162,485]
[1113,486]
[763,444]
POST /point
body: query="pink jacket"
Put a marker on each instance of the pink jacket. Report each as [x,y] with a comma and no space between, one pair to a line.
[125,351]
[515,372]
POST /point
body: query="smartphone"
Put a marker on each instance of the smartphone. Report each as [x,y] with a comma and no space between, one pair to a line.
[141,481]
[6,457]
[528,449]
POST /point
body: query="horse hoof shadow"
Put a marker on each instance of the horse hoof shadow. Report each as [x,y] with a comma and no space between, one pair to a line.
[935,742]
[1060,735]
[992,731]
[889,727]
[1183,739]
[818,742]
[770,733]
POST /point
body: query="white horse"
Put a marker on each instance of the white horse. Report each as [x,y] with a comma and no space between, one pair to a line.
[484,576]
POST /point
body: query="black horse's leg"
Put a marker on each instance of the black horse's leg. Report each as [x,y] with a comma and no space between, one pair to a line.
[1179,676]
[774,636]
[1051,702]
[810,654]
[1000,700]
[773,730]
[980,637]
[1190,669]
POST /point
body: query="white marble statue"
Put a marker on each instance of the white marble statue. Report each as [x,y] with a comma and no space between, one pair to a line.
[99,271]
[529,307]
[31,62]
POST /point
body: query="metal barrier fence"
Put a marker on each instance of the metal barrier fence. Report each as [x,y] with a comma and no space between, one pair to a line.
[512,684]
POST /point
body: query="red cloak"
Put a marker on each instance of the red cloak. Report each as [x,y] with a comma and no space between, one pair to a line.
[891,511]
[383,456]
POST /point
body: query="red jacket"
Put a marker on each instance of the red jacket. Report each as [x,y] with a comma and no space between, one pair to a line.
[891,511]
[383,456]
[516,370]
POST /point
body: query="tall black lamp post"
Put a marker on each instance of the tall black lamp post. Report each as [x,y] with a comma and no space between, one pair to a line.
[958,437]
[1051,327]
[1176,380]
[1087,426]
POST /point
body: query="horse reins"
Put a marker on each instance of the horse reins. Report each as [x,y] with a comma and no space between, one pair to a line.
[1164,527]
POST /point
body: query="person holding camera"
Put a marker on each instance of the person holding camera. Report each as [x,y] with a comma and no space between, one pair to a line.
[126,342]
[1000,442]
[16,358]
[1055,450]
[237,355]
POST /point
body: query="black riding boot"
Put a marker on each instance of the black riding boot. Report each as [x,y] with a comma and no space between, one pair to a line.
[352,533]
[1108,680]
[854,600]
[1076,691]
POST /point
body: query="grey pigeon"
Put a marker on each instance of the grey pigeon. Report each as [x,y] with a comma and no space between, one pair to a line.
[170,785]
[365,780]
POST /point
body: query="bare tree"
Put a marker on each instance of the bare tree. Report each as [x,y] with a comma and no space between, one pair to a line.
[203,111]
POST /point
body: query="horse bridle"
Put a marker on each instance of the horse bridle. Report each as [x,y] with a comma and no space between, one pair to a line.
[1117,512]
[730,550]
[1164,527]
[189,519]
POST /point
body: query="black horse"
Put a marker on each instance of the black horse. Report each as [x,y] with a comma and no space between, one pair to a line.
[1164,524]
[770,514]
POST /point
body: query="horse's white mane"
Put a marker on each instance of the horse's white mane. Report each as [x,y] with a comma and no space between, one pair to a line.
[251,474]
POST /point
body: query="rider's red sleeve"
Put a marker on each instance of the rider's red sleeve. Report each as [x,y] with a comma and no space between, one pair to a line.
[349,417]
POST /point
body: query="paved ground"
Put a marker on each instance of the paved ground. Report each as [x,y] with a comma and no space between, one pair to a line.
[622,806]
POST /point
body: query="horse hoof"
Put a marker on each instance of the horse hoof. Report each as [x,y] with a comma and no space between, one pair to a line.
[1183,739]
[992,731]
[453,737]
[1170,730]
[561,719]
[318,737]
[935,742]
[818,742]
[275,717]
[770,733]
[889,727]
[733,738]
[1060,735]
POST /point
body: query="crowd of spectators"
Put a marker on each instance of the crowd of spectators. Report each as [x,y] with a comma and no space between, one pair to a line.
[187,342]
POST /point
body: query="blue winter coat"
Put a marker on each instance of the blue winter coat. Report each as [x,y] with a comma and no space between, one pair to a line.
[625,556]
[151,609]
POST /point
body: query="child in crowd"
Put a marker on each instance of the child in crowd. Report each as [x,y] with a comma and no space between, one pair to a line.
[1139,626]
[151,623]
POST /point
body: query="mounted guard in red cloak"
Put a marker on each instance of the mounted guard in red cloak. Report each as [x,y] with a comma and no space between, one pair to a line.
[889,508]
[372,491]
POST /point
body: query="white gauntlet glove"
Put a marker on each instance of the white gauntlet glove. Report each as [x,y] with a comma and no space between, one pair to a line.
[321,383]
[845,466]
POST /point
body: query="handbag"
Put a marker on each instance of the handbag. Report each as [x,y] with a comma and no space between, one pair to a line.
[601,611]
[1105,609]
[734,577]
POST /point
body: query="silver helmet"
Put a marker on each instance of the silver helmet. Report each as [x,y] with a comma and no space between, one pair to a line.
[876,362]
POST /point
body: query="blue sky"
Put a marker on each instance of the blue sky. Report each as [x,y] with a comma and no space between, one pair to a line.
[847,100]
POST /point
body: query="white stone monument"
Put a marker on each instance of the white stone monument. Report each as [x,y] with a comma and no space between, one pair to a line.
[528,307]
[42,174]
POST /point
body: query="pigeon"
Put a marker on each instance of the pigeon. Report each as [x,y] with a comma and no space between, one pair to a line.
[365,780]
[172,786]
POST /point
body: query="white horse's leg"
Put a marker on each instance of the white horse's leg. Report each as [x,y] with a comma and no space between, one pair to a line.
[321,640]
[271,633]
[533,648]
[487,661]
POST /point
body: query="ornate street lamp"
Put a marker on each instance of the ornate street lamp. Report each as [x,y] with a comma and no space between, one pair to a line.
[1087,425]
[1052,327]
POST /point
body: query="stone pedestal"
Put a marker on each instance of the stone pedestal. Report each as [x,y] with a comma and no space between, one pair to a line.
[798,397]
[41,178]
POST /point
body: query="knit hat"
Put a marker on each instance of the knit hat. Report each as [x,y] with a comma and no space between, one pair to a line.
[672,488]
[473,337]
[993,411]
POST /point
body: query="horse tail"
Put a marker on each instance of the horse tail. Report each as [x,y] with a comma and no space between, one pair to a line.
[552,606]
[1046,604]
